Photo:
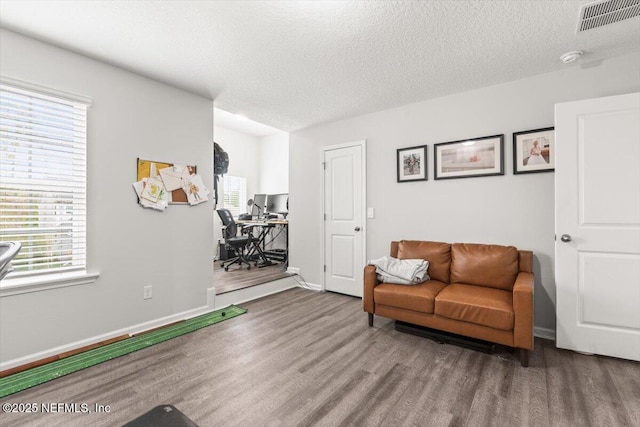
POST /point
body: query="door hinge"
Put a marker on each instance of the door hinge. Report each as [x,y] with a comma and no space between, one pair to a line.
[325,268]
[325,217]
[324,166]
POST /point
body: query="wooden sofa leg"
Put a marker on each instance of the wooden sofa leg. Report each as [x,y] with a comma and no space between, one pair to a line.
[370,319]
[524,357]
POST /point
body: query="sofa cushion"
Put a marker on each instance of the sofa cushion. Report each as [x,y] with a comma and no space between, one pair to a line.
[437,253]
[476,304]
[418,297]
[484,265]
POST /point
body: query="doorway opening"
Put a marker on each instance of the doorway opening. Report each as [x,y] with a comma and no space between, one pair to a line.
[255,190]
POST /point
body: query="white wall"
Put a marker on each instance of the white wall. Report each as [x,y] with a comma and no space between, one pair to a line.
[274,178]
[244,159]
[274,163]
[129,246]
[511,210]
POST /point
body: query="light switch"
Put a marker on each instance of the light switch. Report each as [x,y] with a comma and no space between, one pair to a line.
[371,213]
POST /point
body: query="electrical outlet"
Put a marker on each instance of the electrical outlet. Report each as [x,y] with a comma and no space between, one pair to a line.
[148,292]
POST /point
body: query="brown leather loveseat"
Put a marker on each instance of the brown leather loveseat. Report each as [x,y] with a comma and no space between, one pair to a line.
[475,290]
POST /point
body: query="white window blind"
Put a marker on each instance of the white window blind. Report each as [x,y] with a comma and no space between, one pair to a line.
[43,180]
[235,194]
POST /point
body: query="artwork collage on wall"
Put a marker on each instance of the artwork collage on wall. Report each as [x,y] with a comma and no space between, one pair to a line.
[159,184]
[533,151]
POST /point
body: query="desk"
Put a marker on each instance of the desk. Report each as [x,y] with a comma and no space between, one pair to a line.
[278,221]
[267,225]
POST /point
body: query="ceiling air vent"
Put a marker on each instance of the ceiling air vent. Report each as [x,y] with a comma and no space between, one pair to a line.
[605,12]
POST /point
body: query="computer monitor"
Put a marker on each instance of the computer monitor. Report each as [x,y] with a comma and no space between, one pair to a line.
[259,205]
[278,203]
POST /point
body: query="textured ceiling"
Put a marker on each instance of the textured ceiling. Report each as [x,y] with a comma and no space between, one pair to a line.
[291,65]
[242,124]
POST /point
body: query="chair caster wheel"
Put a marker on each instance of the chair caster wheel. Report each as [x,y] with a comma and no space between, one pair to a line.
[249,267]
[226,268]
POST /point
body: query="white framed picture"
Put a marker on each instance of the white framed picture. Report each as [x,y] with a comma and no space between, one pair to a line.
[533,151]
[467,158]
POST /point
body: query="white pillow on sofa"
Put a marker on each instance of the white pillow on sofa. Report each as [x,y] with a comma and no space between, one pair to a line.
[401,271]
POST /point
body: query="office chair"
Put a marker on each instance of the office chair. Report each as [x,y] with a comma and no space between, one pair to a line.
[237,243]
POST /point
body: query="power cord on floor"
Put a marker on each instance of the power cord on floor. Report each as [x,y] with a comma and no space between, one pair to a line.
[302,284]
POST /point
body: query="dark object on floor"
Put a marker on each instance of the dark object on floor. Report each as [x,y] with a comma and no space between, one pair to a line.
[162,416]
[442,337]
[277,255]
[225,253]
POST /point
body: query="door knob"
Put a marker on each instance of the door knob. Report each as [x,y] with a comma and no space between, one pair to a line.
[357,229]
[565,238]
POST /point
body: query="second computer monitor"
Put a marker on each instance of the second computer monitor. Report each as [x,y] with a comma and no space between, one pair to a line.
[278,203]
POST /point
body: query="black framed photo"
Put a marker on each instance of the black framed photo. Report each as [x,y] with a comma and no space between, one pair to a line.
[412,164]
[534,151]
[467,158]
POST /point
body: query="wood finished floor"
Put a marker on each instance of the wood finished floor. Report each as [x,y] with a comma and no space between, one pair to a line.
[239,278]
[302,358]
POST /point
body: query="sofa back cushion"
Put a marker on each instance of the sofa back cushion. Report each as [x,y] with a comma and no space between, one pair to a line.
[484,265]
[437,253]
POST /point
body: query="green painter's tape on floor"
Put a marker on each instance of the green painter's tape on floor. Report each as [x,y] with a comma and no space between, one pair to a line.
[41,374]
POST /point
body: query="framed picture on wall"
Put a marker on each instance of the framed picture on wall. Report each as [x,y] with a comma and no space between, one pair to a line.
[533,151]
[482,156]
[412,163]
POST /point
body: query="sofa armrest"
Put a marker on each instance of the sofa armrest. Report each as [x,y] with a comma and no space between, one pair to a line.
[370,282]
[523,310]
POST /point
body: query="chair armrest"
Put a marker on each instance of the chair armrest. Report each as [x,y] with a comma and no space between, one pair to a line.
[523,310]
[370,282]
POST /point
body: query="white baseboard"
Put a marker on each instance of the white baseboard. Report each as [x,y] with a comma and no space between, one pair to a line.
[311,286]
[254,292]
[295,271]
[131,330]
[545,333]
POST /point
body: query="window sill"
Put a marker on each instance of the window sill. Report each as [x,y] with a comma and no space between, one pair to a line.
[9,287]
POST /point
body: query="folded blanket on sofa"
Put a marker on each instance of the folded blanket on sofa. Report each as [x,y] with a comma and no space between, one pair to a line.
[401,271]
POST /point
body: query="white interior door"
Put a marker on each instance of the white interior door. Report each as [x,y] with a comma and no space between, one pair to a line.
[598,226]
[344,184]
